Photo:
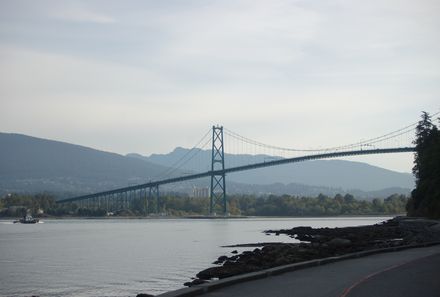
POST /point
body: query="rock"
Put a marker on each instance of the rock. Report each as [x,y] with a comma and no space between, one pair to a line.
[144,295]
[339,242]
[435,227]
[228,263]
[254,261]
[225,271]
[321,243]
[198,281]
[234,258]
[208,273]
[195,282]
[222,258]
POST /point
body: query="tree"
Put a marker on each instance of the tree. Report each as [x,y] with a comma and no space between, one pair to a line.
[425,198]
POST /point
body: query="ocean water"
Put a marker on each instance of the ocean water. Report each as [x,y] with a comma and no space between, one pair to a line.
[124,257]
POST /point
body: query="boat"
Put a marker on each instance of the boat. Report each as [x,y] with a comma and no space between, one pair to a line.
[27,219]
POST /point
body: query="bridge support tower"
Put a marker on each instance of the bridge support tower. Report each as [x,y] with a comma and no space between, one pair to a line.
[218,181]
[154,195]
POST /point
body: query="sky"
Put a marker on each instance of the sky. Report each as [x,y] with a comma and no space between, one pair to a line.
[148,76]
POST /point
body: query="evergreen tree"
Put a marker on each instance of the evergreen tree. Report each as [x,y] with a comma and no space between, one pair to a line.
[425,198]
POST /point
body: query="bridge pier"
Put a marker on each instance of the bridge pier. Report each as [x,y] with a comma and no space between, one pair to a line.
[154,195]
[144,200]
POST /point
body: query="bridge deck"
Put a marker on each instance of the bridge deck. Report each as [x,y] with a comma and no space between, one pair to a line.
[241,168]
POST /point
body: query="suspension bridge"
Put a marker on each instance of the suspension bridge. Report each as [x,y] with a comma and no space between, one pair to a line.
[398,141]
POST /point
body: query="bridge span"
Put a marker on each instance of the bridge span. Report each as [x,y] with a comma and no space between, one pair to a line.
[218,171]
[240,168]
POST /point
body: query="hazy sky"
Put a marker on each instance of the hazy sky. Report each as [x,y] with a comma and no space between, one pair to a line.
[146,76]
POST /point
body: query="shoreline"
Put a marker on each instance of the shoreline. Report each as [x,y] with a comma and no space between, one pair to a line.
[242,279]
[320,243]
[203,217]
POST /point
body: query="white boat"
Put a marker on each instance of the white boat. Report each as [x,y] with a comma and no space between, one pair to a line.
[27,219]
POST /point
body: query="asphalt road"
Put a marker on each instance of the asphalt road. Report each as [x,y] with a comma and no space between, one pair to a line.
[408,273]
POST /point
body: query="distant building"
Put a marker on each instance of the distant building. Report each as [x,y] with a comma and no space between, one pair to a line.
[200,192]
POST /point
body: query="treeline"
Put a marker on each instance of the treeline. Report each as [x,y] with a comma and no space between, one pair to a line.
[322,205]
[295,206]
[42,205]
[13,205]
[425,198]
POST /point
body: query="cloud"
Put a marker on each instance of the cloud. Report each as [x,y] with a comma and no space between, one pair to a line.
[316,73]
[237,41]
[84,16]
[25,72]
[78,12]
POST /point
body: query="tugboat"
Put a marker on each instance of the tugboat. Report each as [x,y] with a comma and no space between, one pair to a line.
[27,219]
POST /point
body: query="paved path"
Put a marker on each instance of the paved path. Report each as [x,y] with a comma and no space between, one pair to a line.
[408,273]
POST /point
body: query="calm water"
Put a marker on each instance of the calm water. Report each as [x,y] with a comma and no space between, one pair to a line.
[115,257]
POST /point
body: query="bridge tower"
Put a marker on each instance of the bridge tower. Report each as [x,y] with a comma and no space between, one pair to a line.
[154,195]
[218,182]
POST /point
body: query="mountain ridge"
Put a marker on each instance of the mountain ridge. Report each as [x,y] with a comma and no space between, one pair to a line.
[333,173]
[31,164]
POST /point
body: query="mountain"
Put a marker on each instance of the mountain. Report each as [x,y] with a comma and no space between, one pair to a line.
[30,164]
[336,174]
[311,191]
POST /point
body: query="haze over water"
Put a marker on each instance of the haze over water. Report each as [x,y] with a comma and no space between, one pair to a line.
[117,257]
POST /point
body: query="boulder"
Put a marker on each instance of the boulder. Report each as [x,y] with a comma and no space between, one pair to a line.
[222,258]
[435,227]
[195,282]
[339,242]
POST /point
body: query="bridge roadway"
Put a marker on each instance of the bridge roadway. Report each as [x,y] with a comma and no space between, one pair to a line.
[242,168]
[408,273]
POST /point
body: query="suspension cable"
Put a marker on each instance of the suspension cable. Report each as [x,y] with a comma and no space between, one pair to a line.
[175,166]
[383,137]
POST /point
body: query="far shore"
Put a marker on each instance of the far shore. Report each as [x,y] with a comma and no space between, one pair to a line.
[198,217]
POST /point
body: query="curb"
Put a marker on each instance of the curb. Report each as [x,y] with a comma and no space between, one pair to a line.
[218,284]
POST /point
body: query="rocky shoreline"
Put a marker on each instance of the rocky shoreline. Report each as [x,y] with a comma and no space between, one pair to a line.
[316,243]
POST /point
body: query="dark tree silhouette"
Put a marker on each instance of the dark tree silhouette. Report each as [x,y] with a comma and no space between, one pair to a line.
[425,198]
